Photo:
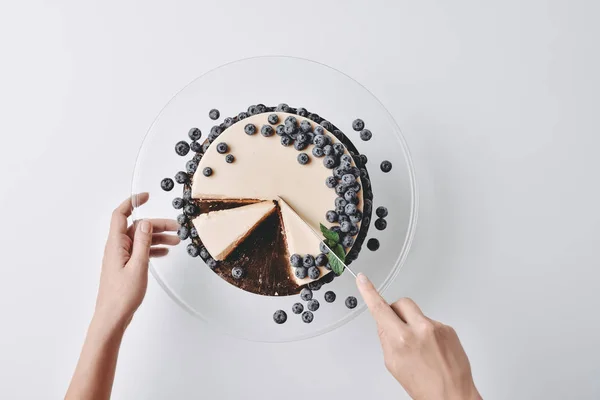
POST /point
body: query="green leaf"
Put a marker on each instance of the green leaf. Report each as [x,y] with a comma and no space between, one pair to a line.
[329,234]
[339,251]
[330,243]
[337,263]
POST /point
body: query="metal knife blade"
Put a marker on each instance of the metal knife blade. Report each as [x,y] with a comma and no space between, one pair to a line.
[318,235]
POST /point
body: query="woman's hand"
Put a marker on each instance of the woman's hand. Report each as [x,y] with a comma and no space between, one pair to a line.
[124,275]
[424,355]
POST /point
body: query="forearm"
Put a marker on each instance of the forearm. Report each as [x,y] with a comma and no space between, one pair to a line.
[95,372]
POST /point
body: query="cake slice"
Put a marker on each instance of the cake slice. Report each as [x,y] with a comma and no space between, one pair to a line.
[221,231]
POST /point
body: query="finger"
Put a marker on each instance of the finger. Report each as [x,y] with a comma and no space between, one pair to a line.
[158,225]
[159,238]
[157,252]
[408,310]
[142,240]
[379,308]
[118,223]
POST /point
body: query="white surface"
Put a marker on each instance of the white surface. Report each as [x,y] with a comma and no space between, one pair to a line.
[498,102]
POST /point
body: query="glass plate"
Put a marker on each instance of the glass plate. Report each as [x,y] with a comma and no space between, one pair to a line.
[231,88]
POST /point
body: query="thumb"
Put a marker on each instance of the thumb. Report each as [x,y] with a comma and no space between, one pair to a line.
[142,240]
[379,308]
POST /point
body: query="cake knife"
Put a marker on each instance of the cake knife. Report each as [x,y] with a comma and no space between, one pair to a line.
[317,235]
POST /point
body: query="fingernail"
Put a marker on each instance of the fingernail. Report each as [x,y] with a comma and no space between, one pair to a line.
[145,226]
[362,278]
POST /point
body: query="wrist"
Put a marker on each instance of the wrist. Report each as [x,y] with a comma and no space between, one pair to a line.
[107,327]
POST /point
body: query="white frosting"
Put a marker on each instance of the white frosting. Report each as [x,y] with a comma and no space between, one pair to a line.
[221,231]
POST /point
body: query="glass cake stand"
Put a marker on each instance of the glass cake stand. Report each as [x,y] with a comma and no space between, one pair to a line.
[231,88]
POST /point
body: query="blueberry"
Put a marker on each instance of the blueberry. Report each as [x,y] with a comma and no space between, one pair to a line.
[368,206]
[280,130]
[338,134]
[328,150]
[343,217]
[290,129]
[327,125]
[329,162]
[318,130]
[207,171]
[358,125]
[340,189]
[305,126]
[386,166]
[338,149]
[187,194]
[307,317]
[350,209]
[195,134]
[204,253]
[339,172]
[320,141]
[308,261]
[229,158]
[301,137]
[297,308]
[336,229]
[314,117]
[214,114]
[182,148]
[286,140]
[366,182]
[291,121]
[340,210]
[191,167]
[355,172]
[366,134]
[313,305]
[348,179]
[353,230]
[267,130]
[373,244]
[329,296]
[331,216]
[296,260]
[306,294]
[261,108]
[196,146]
[363,159]
[346,158]
[242,115]
[340,201]
[167,184]
[227,122]
[182,219]
[330,181]
[273,119]
[215,131]
[328,267]
[351,302]
[190,210]
[345,226]
[178,203]
[279,317]
[205,146]
[300,272]
[347,241]
[320,260]
[323,247]
[237,273]
[302,112]
[300,145]
[303,158]
[252,110]
[356,217]
[181,177]
[381,212]
[282,107]
[192,250]
[315,285]
[380,224]
[212,263]
[314,273]
[193,233]
[222,148]
[351,196]
[250,129]
[352,255]
[183,232]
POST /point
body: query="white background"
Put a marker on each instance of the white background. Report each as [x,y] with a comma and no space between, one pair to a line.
[498,101]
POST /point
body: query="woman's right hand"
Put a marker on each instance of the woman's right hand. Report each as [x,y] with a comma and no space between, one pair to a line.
[424,355]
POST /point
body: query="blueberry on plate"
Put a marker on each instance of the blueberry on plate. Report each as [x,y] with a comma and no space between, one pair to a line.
[296,260]
[329,162]
[191,167]
[182,148]
[181,177]
[297,308]
[227,122]
[205,146]
[286,140]
[273,119]
[331,216]
[350,209]
[167,184]
[290,129]
[363,159]
[214,114]
[351,196]
[303,158]
[301,137]
[366,134]
[320,141]
[323,247]
[204,253]
[192,250]
[182,219]
[207,171]
[305,126]
[386,166]
[314,273]
[318,130]
[215,131]
[346,158]
[356,217]
[355,171]
[358,125]
[340,210]
[381,212]
[314,117]
[282,107]
[195,134]
[353,230]
[345,226]
[267,130]
[330,181]
[280,130]
[229,158]
[300,145]
[222,148]
[302,112]
[368,206]
[196,146]
[252,110]
[338,149]
[242,115]
[343,217]
[348,179]
[250,129]
[351,302]
[340,201]
[348,241]
[340,189]
[308,261]
[307,317]
[190,210]
[329,296]
[291,121]
[193,233]
[315,285]
[327,125]
[320,260]
[183,232]
[300,273]
[313,305]
[373,244]
[380,224]
[212,263]
[187,194]
[279,317]
[237,272]
[339,172]
[178,203]
[306,294]
[328,150]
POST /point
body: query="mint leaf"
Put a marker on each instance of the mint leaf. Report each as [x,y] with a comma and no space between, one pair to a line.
[329,234]
[330,243]
[337,263]
[339,251]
